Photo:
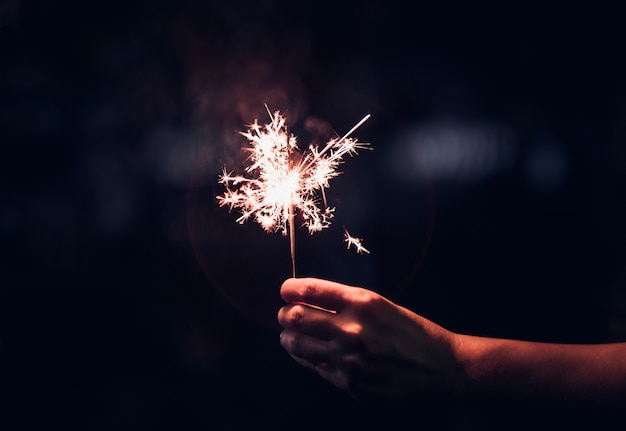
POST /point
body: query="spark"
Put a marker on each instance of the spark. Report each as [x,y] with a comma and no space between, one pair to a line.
[356,242]
[282,179]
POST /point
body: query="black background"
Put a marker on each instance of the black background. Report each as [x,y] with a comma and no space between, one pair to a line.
[115,118]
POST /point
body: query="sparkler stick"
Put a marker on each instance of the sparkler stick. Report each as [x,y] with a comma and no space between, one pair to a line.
[280,185]
[292,239]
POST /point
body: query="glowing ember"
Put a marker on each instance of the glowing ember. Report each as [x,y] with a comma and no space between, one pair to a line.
[284,179]
[356,242]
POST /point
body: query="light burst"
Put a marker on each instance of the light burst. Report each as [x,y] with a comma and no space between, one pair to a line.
[282,179]
[356,242]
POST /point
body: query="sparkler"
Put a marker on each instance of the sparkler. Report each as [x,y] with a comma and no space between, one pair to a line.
[284,179]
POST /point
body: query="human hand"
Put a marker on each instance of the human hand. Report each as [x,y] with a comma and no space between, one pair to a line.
[366,344]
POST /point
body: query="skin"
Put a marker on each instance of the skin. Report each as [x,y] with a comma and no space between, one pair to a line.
[375,349]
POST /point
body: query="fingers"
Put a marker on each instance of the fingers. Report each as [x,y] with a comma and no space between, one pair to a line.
[322,293]
[307,336]
[315,351]
[308,320]
[317,355]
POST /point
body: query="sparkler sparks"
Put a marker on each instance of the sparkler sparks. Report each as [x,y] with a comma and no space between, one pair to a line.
[284,179]
[356,242]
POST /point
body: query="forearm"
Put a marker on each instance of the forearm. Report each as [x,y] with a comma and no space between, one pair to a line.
[566,372]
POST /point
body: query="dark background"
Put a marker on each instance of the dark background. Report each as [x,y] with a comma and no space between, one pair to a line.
[130,301]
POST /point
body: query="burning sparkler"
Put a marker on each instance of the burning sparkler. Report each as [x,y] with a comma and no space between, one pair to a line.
[285,179]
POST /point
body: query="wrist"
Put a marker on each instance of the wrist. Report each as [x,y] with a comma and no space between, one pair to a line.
[469,352]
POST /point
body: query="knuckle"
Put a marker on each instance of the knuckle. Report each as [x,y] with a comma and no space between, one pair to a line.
[310,290]
[352,331]
[296,316]
[367,302]
[289,341]
[352,335]
[367,297]
[294,346]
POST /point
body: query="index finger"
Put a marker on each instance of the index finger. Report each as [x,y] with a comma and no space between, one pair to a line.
[314,291]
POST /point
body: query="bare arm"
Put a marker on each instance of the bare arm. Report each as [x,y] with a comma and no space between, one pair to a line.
[567,372]
[375,349]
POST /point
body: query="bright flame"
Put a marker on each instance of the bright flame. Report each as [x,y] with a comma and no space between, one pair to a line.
[279,183]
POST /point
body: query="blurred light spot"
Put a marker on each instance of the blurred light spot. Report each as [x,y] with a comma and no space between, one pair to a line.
[546,166]
[112,190]
[171,154]
[453,151]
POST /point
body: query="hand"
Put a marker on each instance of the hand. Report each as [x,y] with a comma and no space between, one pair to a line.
[365,344]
